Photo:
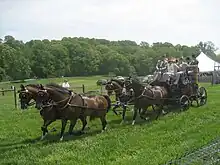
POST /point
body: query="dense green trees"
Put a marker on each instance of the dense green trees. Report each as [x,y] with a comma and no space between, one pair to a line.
[84,56]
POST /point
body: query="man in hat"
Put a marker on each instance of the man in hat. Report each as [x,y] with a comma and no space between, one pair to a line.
[188,60]
[172,69]
[182,68]
[162,64]
[194,60]
[161,67]
[65,84]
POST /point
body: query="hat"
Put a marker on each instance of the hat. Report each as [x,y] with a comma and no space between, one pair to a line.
[193,56]
[187,58]
[164,56]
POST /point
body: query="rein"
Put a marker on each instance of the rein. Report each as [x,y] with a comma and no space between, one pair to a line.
[69,104]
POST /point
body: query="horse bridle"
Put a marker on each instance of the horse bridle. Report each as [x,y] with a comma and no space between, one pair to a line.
[51,103]
[25,93]
[118,89]
[142,94]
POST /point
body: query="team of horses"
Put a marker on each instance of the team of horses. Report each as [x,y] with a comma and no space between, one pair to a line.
[57,103]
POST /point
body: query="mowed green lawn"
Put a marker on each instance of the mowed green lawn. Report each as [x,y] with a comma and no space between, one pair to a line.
[145,143]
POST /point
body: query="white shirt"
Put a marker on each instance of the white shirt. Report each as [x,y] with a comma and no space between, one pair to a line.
[172,68]
[66,85]
[183,66]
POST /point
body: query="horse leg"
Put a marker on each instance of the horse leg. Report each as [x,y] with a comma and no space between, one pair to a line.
[104,123]
[135,115]
[113,109]
[44,128]
[160,111]
[84,122]
[123,113]
[64,122]
[72,125]
[143,113]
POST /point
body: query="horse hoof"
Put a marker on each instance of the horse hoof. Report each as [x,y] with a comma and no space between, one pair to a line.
[147,118]
[133,122]
[122,122]
[43,136]
[61,139]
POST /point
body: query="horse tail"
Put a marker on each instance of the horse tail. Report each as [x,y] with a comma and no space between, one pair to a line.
[109,101]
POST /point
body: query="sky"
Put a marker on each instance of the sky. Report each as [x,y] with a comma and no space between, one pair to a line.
[176,21]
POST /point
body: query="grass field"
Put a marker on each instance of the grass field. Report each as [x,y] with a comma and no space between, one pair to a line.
[145,143]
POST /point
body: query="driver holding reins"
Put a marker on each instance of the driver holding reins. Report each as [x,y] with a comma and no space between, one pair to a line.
[161,67]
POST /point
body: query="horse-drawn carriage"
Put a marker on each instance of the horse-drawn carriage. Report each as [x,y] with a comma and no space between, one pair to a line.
[160,93]
[187,90]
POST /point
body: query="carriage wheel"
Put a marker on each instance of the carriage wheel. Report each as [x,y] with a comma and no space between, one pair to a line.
[184,103]
[202,96]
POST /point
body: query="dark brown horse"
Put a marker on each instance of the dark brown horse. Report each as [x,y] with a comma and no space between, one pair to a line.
[97,107]
[114,85]
[27,93]
[70,106]
[121,94]
[146,96]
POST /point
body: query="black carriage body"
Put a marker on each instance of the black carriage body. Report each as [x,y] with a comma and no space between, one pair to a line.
[176,93]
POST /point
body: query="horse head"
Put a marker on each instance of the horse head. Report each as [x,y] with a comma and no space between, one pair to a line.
[53,92]
[112,85]
[42,97]
[133,84]
[26,93]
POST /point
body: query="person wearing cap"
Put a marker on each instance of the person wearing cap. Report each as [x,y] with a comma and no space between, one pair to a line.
[161,64]
[172,69]
[194,70]
[194,60]
[161,67]
[65,84]
[182,64]
[182,68]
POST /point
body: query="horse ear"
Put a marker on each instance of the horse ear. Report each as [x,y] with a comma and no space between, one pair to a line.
[22,87]
[41,86]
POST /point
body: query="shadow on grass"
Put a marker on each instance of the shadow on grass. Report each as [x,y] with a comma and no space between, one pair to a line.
[112,124]
[50,138]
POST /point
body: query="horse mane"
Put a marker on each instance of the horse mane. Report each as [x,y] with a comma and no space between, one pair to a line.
[118,82]
[33,85]
[137,81]
[58,88]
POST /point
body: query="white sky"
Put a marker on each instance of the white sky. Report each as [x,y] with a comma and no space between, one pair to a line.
[176,21]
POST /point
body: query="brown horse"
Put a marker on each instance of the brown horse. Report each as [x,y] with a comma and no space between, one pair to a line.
[70,106]
[122,97]
[146,96]
[27,93]
[97,107]
[114,85]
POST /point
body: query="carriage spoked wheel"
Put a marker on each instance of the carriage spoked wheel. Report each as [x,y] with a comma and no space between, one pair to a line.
[184,103]
[202,96]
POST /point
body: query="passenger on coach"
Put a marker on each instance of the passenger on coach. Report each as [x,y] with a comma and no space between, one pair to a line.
[182,69]
[161,67]
[66,84]
[162,64]
[172,69]
[194,60]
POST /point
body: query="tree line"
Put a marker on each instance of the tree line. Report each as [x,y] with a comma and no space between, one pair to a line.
[86,56]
